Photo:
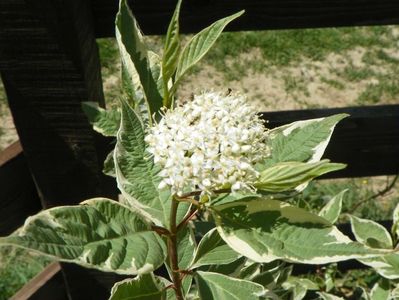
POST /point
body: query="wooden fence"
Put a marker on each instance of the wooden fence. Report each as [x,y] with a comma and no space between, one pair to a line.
[49,64]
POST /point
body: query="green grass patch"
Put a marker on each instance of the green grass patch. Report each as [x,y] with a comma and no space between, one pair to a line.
[333,83]
[374,93]
[357,74]
[283,47]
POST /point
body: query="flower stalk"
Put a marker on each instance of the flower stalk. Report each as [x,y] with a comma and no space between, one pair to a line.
[172,249]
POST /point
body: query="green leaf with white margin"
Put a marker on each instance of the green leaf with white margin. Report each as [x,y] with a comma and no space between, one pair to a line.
[380,290]
[332,209]
[212,250]
[299,287]
[137,174]
[232,269]
[387,266]
[171,51]
[395,221]
[143,287]
[132,86]
[109,166]
[186,245]
[327,296]
[303,141]
[395,292]
[100,233]
[365,295]
[268,275]
[199,45]
[288,176]
[135,57]
[264,230]
[370,233]
[221,287]
[104,121]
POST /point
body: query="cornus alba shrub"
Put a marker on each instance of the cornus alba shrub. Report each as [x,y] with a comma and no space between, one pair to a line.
[204,191]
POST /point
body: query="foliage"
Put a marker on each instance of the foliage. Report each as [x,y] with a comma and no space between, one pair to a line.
[18,266]
[258,232]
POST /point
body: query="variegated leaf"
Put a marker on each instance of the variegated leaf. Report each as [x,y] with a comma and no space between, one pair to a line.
[221,287]
[212,250]
[370,233]
[200,44]
[135,58]
[137,174]
[109,166]
[269,275]
[395,292]
[171,52]
[104,121]
[288,176]
[395,221]
[100,233]
[303,141]
[143,287]
[232,269]
[387,266]
[299,287]
[332,209]
[264,230]
[380,290]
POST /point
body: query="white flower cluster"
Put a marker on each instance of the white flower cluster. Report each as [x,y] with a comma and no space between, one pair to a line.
[209,143]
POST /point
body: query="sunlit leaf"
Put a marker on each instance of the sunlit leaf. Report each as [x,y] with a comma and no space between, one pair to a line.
[200,44]
[104,121]
[264,230]
[303,141]
[135,58]
[212,250]
[100,233]
[380,290]
[370,233]
[332,209]
[221,287]
[288,176]
[143,287]
[171,51]
[387,265]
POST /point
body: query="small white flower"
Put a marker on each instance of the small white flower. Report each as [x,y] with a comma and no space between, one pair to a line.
[211,142]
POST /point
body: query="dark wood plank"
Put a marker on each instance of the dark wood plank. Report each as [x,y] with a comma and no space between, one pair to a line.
[368,141]
[154,15]
[49,64]
[18,195]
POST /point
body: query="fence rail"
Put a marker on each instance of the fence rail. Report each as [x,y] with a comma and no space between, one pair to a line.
[153,17]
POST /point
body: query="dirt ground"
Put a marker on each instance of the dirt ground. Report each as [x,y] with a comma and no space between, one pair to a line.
[312,82]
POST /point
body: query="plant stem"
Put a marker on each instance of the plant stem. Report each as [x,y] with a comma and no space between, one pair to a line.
[172,249]
[187,219]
